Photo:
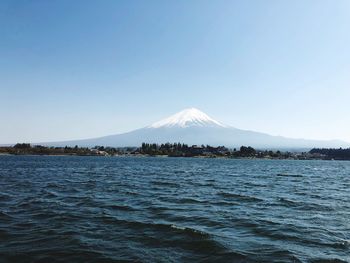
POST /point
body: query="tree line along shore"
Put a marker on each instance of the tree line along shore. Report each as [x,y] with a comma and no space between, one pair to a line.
[177,150]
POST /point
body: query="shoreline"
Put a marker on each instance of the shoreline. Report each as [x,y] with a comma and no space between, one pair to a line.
[179,150]
[169,156]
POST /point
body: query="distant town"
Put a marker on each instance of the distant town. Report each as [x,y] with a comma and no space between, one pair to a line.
[178,150]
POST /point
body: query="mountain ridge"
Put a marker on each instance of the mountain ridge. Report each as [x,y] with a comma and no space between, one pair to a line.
[193,127]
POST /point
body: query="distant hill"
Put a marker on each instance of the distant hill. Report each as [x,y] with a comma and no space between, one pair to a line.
[193,127]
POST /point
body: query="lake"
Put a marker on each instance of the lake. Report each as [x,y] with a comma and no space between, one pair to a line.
[134,209]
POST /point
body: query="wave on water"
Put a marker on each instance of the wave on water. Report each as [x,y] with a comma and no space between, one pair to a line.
[328,260]
[289,175]
[77,209]
[240,197]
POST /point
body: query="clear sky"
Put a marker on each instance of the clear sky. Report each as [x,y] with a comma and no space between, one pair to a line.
[81,69]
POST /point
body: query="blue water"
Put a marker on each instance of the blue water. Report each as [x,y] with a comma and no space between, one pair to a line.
[100,209]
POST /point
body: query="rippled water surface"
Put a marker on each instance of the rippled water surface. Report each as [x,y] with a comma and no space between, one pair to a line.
[98,209]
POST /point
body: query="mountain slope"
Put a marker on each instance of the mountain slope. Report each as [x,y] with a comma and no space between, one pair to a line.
[192,126]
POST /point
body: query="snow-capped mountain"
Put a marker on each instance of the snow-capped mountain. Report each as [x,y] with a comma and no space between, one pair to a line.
[193,127]
[187,118]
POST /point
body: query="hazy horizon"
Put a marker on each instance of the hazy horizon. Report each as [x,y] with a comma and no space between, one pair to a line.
[76,70]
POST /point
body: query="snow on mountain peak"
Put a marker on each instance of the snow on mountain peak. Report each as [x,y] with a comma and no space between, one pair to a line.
[186,118]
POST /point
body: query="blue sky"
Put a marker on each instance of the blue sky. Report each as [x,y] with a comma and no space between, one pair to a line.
[81,69]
